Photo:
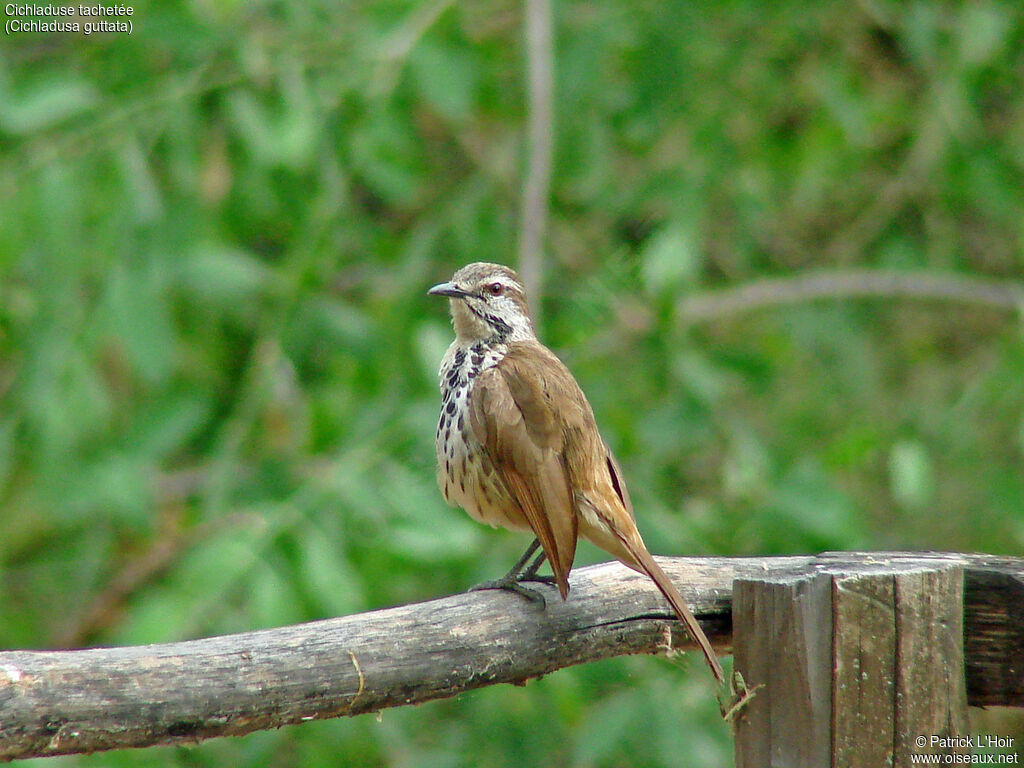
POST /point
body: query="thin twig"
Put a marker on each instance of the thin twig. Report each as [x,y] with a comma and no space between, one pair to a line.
[1003,295]
[540,138]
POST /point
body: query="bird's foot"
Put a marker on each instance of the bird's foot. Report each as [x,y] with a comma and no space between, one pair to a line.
[512,584]
[538,579]
[530,572]
[513,580]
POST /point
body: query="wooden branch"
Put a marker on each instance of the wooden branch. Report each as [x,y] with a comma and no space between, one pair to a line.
[60,702]
[540,141]
[1001,295]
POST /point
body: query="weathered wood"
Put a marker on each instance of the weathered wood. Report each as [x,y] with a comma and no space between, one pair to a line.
[931,692]
[994,631]
[783,642]
[56,702]
[865,668]
[64,702]
[859,659]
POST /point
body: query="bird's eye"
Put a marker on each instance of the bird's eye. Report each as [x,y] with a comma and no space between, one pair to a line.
[495,289]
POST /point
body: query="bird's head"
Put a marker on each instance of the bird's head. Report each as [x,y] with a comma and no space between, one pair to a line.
[487,303]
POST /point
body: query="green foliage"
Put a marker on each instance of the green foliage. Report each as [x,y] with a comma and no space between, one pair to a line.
[217,359]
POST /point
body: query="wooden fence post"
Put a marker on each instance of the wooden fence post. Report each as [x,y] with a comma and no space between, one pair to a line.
[862,665]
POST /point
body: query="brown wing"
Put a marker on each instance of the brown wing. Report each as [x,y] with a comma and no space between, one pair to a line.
[513,418]
[618,481]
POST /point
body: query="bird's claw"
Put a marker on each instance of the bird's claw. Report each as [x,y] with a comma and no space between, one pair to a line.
[513,585]
[539,579]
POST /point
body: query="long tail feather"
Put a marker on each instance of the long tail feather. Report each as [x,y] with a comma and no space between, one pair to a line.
[668,589]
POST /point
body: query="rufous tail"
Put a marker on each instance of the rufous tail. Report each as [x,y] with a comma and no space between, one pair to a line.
[668,589]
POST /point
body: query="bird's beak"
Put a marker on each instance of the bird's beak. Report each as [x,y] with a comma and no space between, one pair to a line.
[448,289]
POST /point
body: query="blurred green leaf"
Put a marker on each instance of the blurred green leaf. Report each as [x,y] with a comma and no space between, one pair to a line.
[983,28]
[910,472]
[205,590]
[446,77]
[116,486]
[600,737]
[432,340]
[222,274]
[671,260]
[700,376]
[140,318]
[7,435]
[44,104]
[164,425]
[327,574]
[815,508]
[284,135]
[745,469]
[385,153]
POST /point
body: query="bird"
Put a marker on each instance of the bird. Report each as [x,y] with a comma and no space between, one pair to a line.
[518,445]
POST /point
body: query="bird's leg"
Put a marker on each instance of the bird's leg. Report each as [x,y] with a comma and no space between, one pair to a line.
[530,574]
[520,572]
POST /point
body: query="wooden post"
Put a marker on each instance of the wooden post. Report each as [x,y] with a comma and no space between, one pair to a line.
[782,639]
[862,665]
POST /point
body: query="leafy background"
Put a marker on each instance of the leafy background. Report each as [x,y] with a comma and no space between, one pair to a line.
[215,239]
